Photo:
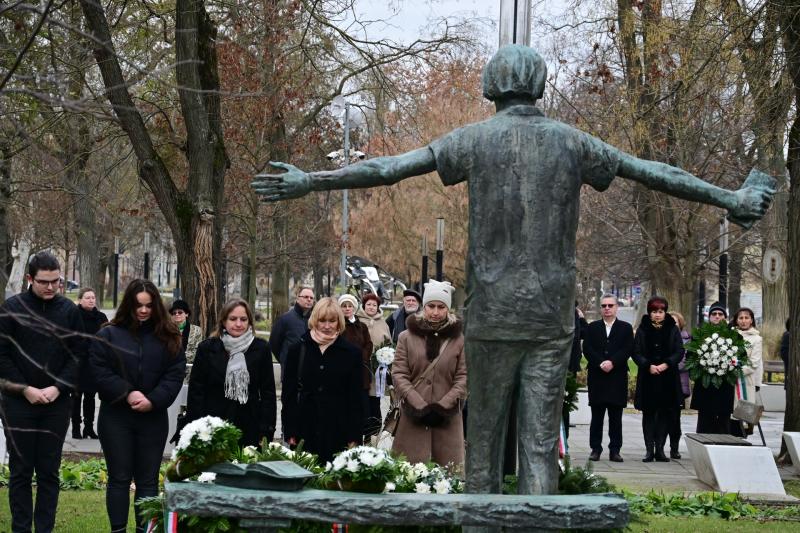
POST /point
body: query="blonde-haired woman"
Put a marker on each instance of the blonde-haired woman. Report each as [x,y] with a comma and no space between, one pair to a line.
[322,388]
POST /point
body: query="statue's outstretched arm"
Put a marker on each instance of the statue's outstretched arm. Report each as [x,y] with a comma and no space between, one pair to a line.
[745,206]
[388,170]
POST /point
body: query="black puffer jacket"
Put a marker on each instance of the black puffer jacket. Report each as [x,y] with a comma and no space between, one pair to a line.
[92,322]
[123,362]
[37,347]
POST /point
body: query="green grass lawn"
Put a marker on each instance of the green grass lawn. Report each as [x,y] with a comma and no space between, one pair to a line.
[664,524]
[79,511]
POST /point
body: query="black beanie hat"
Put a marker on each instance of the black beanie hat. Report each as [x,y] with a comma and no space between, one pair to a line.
[180,304]
[716,306]
[415,294]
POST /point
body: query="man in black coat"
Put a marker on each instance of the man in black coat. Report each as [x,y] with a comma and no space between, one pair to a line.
[39,352]
[397,321]
[607,345]
[290,326]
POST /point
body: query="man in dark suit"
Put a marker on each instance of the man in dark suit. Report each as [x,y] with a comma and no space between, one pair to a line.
[607,345]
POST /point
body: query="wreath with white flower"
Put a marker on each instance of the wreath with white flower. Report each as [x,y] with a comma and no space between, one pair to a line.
[424,478]
[203,442]
[362,464]
[716,355]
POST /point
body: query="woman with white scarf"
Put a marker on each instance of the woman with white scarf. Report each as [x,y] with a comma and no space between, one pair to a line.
[323,386]
[232,376]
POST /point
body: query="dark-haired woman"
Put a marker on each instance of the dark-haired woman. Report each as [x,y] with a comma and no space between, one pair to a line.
[138,366]
[657,350]
[232,376]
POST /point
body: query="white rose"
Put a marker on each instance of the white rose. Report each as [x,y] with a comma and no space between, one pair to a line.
[715,336]
[339,462]
[422,488]
[720,372]
[711,371]
[729,342]
[353,465]
[721,341]
[370,460]
[249,451]
[702,362]
[704,347]
[207,477]
[442,487]
[421,470]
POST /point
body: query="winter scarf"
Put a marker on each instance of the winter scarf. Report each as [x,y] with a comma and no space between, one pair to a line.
[434,333]
[323,340]
[237,378]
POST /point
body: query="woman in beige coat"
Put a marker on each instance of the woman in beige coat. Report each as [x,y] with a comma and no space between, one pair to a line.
[430,427]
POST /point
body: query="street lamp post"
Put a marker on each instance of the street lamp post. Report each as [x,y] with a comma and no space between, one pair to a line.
[345,214]
[424,270]
[116,270]
[723,263]
[146,255]
[439,249]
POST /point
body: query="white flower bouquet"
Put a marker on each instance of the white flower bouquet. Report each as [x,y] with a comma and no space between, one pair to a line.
[203,442]
[361,469]
[716,355]
[274,451]
[426,479]
[385,355]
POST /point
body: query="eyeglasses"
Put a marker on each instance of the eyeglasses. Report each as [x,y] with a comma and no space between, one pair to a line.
[306,297]
[47,283]
[178,312]
[607,306]
[717,313]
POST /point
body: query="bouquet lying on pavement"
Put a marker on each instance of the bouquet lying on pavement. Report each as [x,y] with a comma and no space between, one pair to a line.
[716,355]
[203,442]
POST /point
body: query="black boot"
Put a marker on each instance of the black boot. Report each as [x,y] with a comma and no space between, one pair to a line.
[76,431]
[660,457]
[88,433]
[648,457]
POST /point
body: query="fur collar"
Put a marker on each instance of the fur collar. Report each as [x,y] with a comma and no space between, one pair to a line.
[416,325]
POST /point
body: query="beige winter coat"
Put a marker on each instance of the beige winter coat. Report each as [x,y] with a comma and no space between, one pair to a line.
[753,373]
[441,396]
[380,335]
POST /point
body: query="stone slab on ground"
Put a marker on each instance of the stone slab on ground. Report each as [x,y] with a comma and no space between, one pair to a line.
[743,469]
[792,439]
[522,513]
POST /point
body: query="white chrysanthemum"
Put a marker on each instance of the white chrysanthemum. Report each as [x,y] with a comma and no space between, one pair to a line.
[729,342]
[339,462]
[702,362]
[714,336]
[370,460]
[328,466]
[421,470]
[711,371]
[207,477]
[442,487]
[250,451]
[721,341]
[390,486]
[204,434]
[422,488]
[353,465]
[720,372]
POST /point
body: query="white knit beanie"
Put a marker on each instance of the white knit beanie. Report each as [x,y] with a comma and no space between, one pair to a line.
[348,298]
[438,291]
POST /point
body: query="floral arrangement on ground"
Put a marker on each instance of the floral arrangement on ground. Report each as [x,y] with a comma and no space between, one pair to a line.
[716,355]
[203,442]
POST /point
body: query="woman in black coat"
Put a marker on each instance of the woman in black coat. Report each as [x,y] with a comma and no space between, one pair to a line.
[657,350]
[213,389]
[84,393]
[138,365]
[322,388]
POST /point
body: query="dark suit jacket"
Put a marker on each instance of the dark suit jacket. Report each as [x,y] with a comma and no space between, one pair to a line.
[608,388]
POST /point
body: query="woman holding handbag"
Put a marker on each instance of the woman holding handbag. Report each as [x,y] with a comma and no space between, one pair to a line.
[430,378]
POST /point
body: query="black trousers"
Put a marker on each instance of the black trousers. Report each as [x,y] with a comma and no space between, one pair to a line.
[86,401]
[655,426]
[675,430]
[35,438]
[713,423]
[373,420]
[133,444]
[614,428]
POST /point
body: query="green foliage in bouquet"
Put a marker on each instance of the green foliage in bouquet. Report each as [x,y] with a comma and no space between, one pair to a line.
[716,355]
[571,393]
[203,442]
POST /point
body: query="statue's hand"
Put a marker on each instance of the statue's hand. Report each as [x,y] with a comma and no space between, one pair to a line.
[753,199]
[293,183]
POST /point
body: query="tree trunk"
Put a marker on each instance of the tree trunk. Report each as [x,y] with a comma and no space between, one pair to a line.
[5,202]
[735,258]
[194,216]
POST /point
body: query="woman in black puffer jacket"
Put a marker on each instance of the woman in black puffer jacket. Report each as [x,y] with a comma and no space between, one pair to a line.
[657,350]
[138,365]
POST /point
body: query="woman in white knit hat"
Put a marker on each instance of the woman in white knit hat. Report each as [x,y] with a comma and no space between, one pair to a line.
[357,333]
[430,377]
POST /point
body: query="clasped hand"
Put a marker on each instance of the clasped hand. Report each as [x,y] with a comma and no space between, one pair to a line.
[139,402]
[657,369]
[38,396]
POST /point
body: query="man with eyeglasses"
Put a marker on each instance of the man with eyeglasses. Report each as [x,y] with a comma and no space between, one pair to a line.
[290,326]
[39,352]
[607,345]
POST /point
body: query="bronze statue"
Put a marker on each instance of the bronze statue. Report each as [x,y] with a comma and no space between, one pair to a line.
[524,172]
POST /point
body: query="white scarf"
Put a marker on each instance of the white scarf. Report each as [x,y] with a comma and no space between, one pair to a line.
[237,378]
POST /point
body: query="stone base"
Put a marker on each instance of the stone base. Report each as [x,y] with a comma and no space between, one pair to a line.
[773,397]
[744,469]
[792,439]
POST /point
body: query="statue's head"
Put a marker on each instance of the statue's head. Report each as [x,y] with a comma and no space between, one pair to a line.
[515,71]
